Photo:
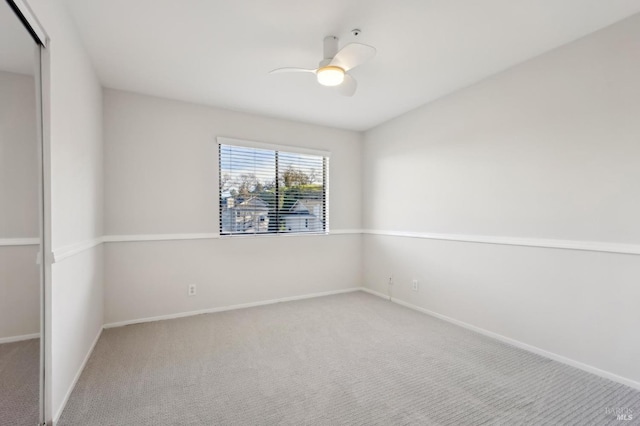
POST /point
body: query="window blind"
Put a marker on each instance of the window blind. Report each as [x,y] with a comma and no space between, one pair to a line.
[270,191]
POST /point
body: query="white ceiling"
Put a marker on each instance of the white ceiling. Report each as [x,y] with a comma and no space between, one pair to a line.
[219,52]
[17,48]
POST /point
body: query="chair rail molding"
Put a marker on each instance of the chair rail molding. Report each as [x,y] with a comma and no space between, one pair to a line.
[19,242]
[70,250]
[619,248]
[65,252]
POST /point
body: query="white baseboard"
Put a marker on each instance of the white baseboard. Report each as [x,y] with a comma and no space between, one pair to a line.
[229,307]
[513,342]
[12,339]
[75,379]
[376,293]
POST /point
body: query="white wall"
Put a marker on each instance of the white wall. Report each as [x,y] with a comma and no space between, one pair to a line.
[546,150]
[161,178]
[19,279]
[75,192]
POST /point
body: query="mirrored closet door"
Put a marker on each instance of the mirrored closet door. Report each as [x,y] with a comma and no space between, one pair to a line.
[21,371]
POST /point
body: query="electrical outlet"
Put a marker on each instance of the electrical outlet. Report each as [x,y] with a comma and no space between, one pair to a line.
[414,285]
[192,290]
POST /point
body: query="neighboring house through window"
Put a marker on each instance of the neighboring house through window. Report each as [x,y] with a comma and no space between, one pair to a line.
[268,189]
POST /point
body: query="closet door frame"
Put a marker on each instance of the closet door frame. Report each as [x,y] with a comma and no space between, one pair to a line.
[41,76]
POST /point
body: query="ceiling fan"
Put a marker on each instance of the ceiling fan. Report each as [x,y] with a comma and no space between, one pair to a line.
[334,69]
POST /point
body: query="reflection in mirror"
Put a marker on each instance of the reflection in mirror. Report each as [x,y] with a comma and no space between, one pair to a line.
[19,227]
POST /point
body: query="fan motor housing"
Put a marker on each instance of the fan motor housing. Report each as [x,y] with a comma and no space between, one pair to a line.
[330,49]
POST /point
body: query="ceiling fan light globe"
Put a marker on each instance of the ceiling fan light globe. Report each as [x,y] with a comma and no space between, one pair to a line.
[330,75]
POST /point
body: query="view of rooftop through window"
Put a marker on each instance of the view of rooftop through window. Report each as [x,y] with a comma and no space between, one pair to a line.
[271,191]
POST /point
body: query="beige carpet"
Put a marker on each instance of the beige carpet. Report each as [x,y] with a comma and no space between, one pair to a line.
[348,359]
[20,383]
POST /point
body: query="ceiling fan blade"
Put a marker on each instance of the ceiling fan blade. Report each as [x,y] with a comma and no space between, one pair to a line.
[352,55]
[348,86]
[291,69]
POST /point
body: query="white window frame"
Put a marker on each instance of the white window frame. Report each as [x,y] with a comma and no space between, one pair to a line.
[223,140]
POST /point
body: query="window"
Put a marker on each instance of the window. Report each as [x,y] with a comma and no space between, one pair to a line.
[271,190]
